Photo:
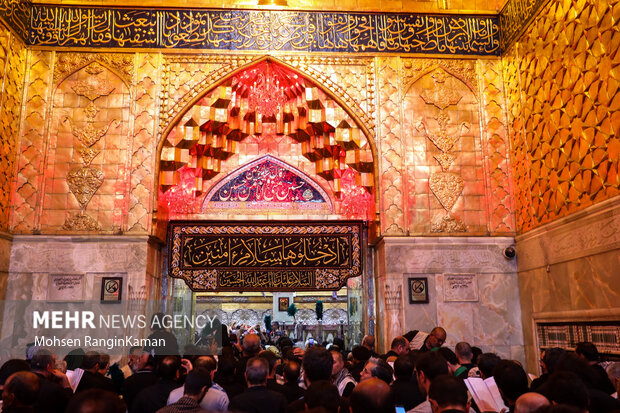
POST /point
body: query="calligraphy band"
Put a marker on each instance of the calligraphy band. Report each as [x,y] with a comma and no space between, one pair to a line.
[269,256]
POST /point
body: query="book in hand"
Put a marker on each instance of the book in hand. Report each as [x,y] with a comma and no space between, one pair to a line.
[486,394]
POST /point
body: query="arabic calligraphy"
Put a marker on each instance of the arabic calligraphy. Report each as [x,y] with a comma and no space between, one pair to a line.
[515,15]
[265,279]
[267,182]
[17,14]
[273,256]
[326,251]
[271,30]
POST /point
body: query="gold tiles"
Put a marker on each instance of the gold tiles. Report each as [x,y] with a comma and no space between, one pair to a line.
[12,71]
[561,82]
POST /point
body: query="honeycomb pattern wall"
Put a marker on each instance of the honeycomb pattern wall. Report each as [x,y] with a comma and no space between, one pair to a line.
[563,107]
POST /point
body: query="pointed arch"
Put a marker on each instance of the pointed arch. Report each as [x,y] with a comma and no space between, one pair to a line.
[289,186]
[355,117]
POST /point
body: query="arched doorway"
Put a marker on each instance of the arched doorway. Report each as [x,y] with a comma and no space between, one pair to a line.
[267,143]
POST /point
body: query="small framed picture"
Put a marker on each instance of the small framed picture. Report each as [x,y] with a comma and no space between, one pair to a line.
[283,303]
[111,289]
[418,290]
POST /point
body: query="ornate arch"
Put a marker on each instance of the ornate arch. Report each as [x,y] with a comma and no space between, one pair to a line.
[236,65]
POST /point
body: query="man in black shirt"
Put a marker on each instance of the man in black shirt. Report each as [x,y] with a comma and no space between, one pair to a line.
[257,398]
[55,390]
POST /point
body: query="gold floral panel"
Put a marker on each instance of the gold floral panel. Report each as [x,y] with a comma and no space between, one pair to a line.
[564,70]
[12,67]
[86,178]
[445,186]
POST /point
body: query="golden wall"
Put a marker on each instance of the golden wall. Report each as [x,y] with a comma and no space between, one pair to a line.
[92,123]
[12,63]
[563,109]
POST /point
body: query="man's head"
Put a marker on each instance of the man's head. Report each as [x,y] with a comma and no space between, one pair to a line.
[251,345]
[564,387]
[447,392]
[613,371]
[487,363]
[400,345]
[451,359]
[511,380]
[197,383]
[371,395]
[588,351]
[550,358]
[403,368]
[104,363]
[436,338]
[530,402]
[318,364]
[20,390]
[256,371]
[90,361]
[360,354]
[338,362]
[369,342]
[169,368]
[375,367]
[208,363]
[292,369]
[322,394]
[428,366]
[133,356]
[464,352]
[10,367]
[43,361]
[272,359]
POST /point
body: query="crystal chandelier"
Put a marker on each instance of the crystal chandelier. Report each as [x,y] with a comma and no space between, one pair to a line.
[266,94]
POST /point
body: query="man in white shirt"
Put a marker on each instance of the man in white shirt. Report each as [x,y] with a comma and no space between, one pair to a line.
[216,399]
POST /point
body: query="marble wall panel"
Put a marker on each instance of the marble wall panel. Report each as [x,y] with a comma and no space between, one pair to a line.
[6,240]
[569,268]
[493,322]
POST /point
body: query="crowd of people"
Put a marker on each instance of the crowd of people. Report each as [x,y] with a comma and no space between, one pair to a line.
[272,374]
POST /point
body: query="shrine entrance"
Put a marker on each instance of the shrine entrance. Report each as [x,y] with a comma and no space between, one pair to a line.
[266,199]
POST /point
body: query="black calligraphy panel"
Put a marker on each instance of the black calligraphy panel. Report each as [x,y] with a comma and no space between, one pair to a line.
[16,13]
[271,251]
[273,30]
[273,256]
[516,15]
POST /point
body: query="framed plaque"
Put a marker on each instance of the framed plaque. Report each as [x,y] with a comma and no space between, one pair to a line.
[283,303]
[460,287]
[66,287]
[111,289]
[418,290]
